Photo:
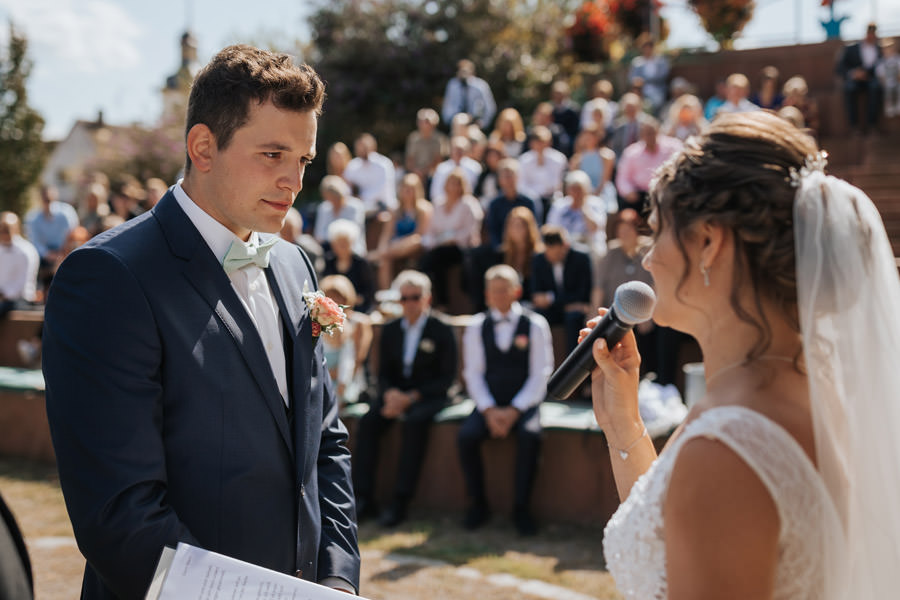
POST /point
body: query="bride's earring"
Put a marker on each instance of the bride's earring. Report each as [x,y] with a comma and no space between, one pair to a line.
[705,270]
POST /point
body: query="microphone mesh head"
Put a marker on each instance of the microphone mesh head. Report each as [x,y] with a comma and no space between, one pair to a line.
[634,302]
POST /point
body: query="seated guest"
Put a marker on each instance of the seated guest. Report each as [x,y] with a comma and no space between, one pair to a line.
[737,88]
[372,176]
[508,359]
[455,228]
[509,132]
[594,158]
[769,95]
[341,260]
[521,241]
[685,118]
[47,228]
[580,213]
[487,187]
[426,147]
[400,243]
[18,265]
[337,159]
[541,170]
[460,147]
[796,94]
[500,207]
[338,203]
[95,208]
[638,163]
[292,231]
[346,350]
[417,365]
[626,129]
[623,263]
[561,283]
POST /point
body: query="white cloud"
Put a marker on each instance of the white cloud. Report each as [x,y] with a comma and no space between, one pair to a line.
[87,37]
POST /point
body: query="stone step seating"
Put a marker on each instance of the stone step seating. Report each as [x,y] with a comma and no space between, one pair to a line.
[18,325]
[24,431]
[574,480]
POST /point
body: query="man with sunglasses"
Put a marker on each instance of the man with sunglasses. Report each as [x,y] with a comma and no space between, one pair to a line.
[417,365]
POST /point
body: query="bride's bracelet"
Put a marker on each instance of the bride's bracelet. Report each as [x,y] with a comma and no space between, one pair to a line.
[625,452]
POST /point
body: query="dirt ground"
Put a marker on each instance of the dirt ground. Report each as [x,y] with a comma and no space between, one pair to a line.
[428,558]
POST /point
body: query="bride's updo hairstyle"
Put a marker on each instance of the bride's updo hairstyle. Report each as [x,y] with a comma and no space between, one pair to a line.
[737,175]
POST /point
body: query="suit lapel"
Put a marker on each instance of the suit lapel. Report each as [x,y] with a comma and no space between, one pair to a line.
[206,275]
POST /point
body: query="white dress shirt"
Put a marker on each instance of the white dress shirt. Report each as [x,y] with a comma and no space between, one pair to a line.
[542,179]
[411,337]
[375,180]
[250,283]
[18,269]
[470,167]
[540,358]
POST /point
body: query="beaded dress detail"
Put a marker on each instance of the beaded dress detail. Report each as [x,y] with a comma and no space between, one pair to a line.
[634,540]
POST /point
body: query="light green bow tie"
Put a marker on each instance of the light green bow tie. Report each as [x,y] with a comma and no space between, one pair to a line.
[240,255]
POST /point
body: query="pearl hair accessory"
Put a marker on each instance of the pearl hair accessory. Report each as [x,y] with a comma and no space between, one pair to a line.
[814,162]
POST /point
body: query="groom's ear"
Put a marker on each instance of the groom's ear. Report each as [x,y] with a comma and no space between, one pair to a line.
[201,147]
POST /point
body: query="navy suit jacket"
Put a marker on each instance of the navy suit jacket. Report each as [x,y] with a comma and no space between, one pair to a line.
[434,366]
[167,421]
[576,282]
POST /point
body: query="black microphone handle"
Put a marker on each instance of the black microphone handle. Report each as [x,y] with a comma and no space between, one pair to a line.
[578,365]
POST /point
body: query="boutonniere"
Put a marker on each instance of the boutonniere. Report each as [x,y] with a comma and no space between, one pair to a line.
[326,314]
[521,341]
[426,346]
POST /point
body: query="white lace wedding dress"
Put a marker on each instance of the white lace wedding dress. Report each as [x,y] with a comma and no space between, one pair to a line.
[634,538]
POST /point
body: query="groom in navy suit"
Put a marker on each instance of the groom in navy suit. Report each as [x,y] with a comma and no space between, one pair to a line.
[186,393]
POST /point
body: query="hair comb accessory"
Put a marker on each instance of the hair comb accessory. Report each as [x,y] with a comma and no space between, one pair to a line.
[811,164]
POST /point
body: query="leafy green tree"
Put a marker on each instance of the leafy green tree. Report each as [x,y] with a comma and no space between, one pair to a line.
[22,151]
[382,60]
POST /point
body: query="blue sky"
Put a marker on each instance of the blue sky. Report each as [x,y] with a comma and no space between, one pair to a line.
[115,55]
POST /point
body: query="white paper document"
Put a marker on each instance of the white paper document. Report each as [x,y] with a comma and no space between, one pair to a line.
[191,573]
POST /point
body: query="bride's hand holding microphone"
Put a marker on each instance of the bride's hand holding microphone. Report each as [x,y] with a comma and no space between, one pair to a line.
[614,385]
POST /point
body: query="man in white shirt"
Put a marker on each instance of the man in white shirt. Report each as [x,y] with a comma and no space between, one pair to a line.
[508,356]
[737,88]
[459,150]
[186,389]
[372,175]
[18,265]
[469,94]
[541,170]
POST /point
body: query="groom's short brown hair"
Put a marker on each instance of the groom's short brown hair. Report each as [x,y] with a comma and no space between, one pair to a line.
[223,89]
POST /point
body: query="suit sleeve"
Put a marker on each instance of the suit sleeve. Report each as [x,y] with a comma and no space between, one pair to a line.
[447,357]
[101,361]
[338,546]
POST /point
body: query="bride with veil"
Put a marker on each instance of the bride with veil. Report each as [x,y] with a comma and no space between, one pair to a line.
[784,480]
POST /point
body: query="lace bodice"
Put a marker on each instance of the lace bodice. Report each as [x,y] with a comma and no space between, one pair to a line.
[634,538]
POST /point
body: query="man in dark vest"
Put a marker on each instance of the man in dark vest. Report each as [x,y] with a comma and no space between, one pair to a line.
[417,365]
[508,360]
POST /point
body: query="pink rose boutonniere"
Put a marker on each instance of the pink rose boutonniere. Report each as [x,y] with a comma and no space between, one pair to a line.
[521,341]
[326,314]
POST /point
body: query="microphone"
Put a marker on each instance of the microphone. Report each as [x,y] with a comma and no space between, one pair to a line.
[633,303]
